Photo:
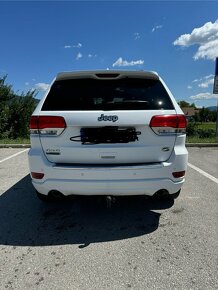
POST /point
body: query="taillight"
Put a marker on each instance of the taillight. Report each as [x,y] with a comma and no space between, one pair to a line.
[51,122]
[33,123]
[37,175]
[47,125]
[168,124]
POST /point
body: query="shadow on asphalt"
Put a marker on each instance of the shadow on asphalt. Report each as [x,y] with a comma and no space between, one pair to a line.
[27,221]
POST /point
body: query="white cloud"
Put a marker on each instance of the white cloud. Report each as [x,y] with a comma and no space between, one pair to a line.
[189,87]
[207,50]
[206,37]
[204,96]
[27,83]
[137,35]
[206,83]
[78,45]
[41,86]
[79,55]
[156,27]
[209,76]
[92,55]
[121,62]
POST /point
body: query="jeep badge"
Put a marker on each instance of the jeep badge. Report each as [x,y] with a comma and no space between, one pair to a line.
[112,118]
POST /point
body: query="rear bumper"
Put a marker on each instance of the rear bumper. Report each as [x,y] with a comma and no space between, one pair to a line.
[114,180]
[108,187]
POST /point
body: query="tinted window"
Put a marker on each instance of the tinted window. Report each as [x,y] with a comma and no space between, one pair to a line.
[122,94]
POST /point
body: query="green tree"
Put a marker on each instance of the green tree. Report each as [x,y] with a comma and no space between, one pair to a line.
[212,116]
[6,96]
[184,104]
[20,111]
[15,111]
[204,115]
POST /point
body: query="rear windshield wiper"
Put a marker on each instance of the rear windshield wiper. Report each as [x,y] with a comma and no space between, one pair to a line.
[135,101]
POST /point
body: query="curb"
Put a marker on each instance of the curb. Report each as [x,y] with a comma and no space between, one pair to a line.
[187,145]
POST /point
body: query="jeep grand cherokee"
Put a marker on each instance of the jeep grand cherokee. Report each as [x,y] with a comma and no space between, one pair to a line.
[107,133]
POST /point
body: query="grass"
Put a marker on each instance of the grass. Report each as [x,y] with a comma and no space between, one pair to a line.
[193,139]
[206,126]
[15,141]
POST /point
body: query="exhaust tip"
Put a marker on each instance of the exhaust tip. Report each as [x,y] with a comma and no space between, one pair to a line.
[55,194]
[161,193]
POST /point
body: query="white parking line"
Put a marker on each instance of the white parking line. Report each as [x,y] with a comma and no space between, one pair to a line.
[14,155]
[203,172]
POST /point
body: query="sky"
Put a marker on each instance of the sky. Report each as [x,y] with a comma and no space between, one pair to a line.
[177,39]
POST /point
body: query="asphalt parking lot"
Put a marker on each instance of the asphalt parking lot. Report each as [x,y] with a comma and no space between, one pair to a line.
[137,244]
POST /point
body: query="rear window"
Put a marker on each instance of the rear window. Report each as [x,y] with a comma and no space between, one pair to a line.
[120,94]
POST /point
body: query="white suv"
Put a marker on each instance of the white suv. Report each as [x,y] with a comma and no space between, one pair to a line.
[107,133]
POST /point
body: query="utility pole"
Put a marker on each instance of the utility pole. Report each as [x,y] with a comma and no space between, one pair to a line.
[215,91]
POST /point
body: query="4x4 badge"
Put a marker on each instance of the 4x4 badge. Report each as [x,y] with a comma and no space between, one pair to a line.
[112,118]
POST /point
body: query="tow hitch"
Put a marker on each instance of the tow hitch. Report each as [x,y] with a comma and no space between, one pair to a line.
[110,200]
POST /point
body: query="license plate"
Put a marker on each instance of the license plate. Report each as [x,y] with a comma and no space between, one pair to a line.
[108,134]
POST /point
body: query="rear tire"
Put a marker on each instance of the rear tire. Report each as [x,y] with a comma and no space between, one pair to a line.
[43,197]
[176,194]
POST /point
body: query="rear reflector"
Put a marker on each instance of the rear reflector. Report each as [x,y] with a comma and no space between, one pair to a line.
[37,175]
[168,124]
[47,125]
[178,174]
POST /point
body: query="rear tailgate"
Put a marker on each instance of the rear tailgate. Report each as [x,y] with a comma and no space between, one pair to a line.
[68,148]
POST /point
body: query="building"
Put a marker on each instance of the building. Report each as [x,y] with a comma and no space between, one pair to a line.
[190,112]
